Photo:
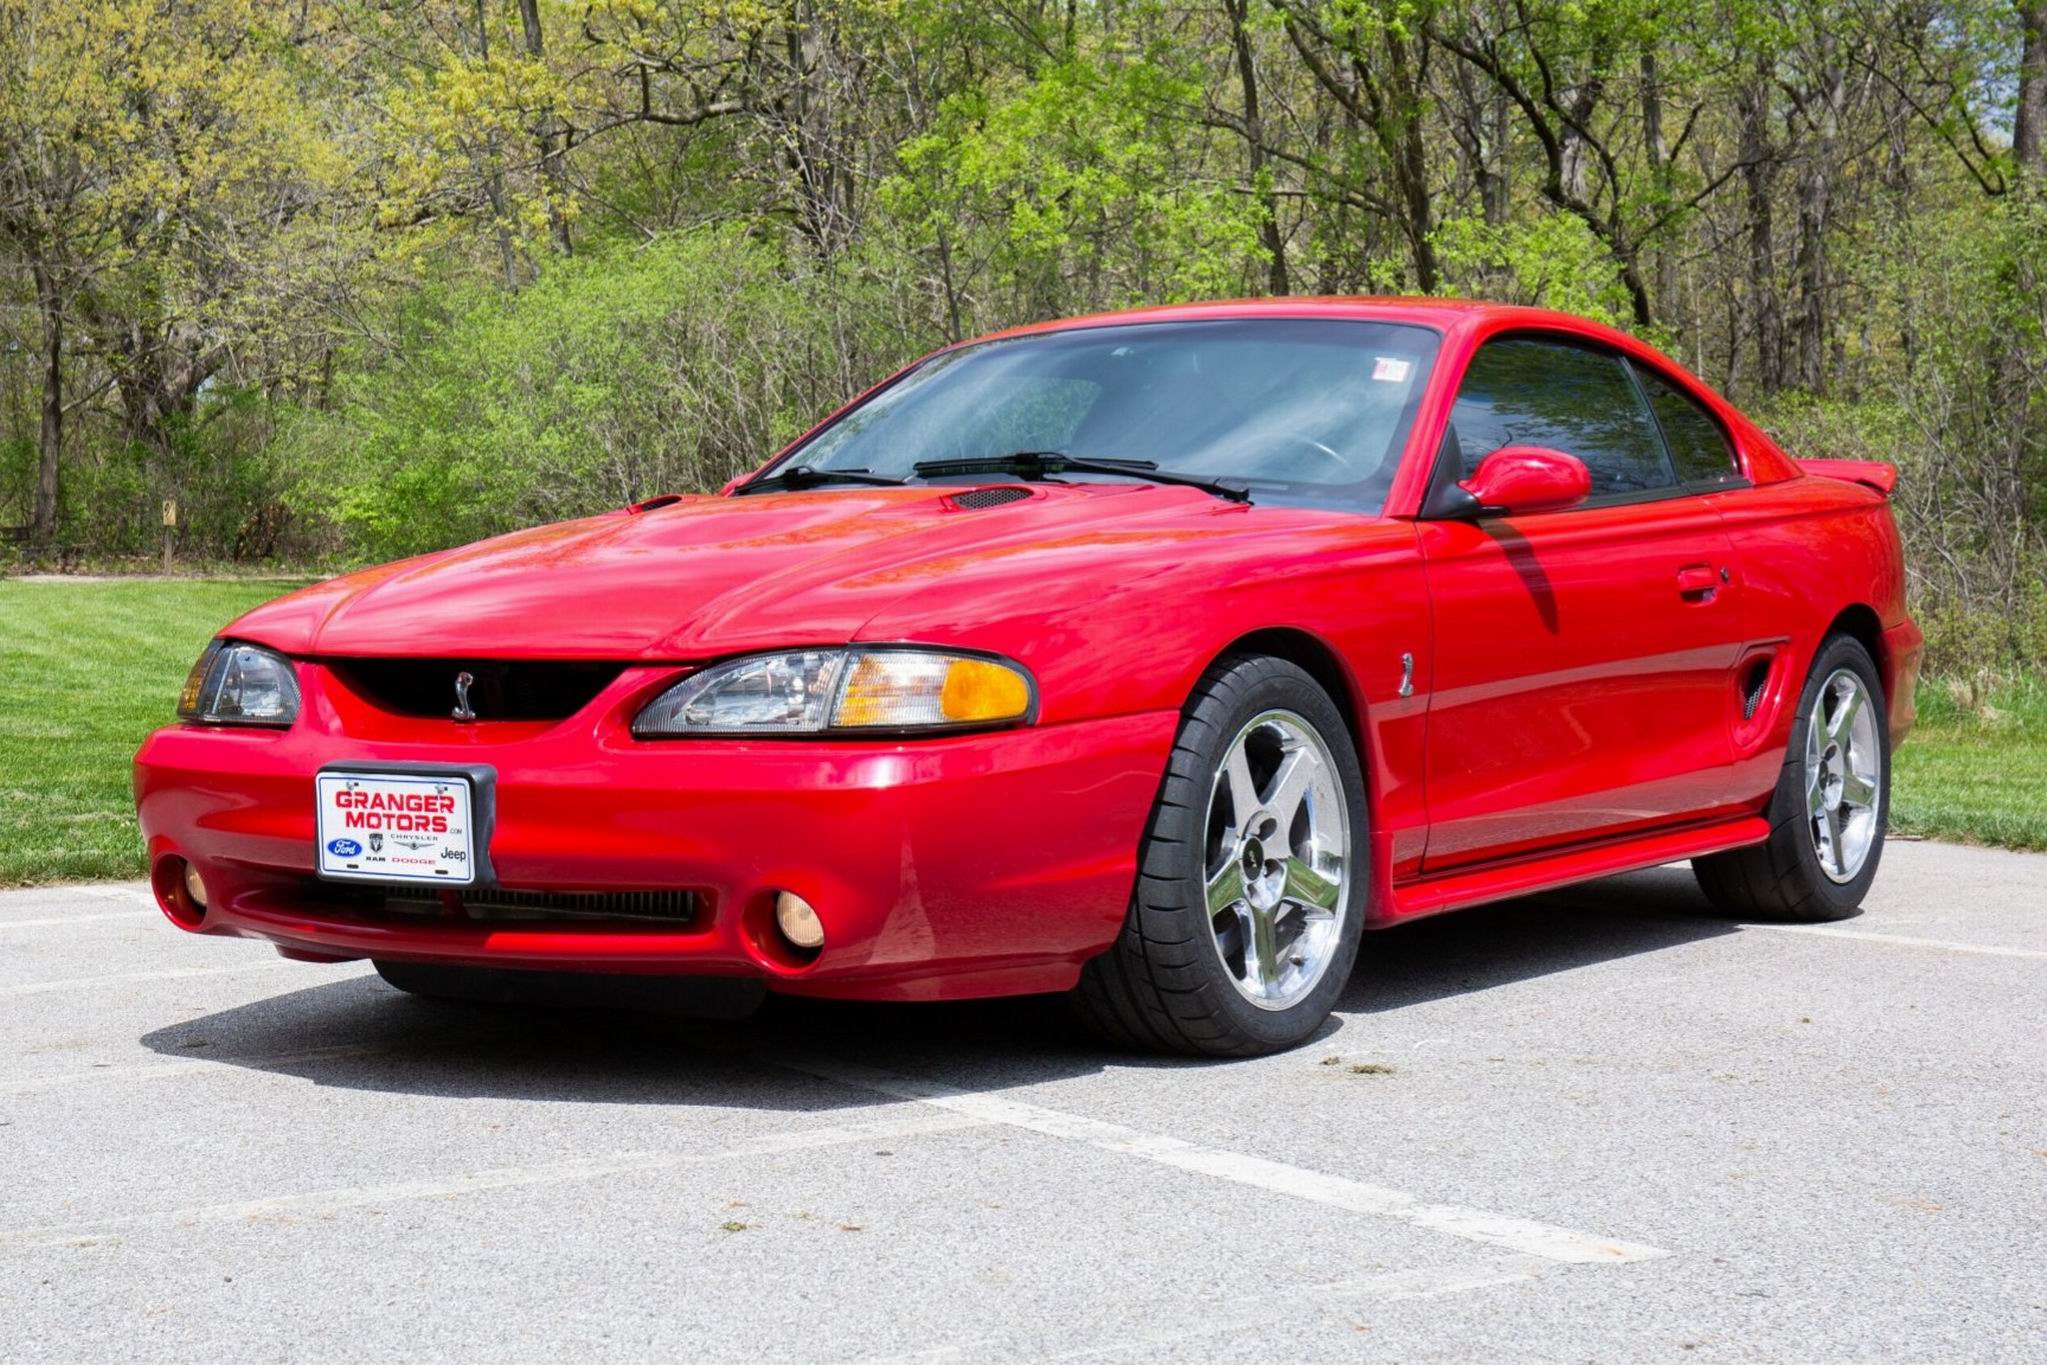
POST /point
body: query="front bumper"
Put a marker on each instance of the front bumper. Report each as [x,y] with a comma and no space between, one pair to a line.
[942,868]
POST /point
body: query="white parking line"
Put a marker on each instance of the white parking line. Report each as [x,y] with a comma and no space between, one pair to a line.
[68,920]
[1904,941]
[318,1203]
[1515,1234]
[126,978]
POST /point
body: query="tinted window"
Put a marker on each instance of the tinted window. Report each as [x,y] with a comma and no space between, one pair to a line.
[1698,448]
[1303,410]
[1569,398]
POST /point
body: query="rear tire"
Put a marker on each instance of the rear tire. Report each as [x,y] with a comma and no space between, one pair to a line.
[1262,817]
[1828,815]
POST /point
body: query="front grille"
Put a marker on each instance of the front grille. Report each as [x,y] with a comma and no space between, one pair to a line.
[502,689]
[496,904]
[973,500]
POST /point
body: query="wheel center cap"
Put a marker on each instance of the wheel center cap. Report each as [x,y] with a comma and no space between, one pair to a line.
[1262,879]
[1833,776]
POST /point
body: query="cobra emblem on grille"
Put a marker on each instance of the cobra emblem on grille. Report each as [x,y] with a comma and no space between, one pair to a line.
[463,682]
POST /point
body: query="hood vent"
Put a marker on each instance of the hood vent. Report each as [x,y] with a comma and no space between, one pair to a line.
[975,499]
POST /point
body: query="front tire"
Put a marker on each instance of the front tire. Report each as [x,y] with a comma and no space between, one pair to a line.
[1251,879]
[1832,803]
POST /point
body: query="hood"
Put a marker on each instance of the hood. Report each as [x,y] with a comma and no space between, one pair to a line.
[712,575]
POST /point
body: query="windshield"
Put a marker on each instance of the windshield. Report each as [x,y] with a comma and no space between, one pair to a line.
[1302,410]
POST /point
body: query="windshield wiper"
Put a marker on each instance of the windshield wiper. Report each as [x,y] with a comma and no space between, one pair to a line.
[1040,464]
[810,476]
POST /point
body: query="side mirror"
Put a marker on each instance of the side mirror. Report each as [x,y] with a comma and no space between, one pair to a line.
[1516,479]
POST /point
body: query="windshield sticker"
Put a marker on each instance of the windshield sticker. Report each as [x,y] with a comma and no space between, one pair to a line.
[1389,370]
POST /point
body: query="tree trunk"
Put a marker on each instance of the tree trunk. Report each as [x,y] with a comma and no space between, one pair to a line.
[1400,131]
[1759,176]
[553,168]
[1254,139]
[42,525]
[493,172]
[2029,121]
[1658,151]
[1815,212]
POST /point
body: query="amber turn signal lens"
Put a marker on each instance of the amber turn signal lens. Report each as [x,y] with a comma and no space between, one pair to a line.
[977,690]
[903,689]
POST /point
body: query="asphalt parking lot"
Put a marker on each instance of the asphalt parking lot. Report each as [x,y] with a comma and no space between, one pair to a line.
[1597,1125]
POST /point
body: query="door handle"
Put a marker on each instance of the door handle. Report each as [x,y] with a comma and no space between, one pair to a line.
[1698,582]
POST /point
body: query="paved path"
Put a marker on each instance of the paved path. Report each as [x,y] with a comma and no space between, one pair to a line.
[1600,1125]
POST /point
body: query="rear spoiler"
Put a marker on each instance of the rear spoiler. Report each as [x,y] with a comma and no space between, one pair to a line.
[1869,473]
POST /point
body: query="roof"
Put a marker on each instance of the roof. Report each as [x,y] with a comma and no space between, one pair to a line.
[1440,314]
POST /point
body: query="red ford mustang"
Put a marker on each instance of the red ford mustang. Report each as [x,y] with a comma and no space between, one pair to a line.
[1150,657]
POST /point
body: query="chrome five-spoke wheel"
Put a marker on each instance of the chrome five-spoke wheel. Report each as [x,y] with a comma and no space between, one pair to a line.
[1843,775]
[1249,902]
[1278,850]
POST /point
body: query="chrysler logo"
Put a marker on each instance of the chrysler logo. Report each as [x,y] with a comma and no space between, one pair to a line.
[463,682]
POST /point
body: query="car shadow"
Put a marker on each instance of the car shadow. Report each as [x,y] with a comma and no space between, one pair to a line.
[1515,940]
[360,1034]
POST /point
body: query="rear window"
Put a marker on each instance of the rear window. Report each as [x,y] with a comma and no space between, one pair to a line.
[1699,449]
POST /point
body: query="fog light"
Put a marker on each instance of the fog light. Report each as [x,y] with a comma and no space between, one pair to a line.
[797,921]
[195,886]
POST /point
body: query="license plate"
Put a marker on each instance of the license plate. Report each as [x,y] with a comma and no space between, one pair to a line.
[397,827]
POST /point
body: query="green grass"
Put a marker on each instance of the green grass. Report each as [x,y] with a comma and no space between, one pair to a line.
[1976,775]
[88,669]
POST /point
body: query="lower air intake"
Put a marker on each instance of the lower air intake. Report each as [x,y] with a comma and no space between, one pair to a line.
[497,904]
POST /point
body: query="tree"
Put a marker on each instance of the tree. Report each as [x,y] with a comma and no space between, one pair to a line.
[152,155]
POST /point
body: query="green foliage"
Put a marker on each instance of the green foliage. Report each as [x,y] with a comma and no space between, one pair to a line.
[1550,261]
[669,367]
[1073,176]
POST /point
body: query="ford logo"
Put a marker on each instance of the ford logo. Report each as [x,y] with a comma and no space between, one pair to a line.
[343,848]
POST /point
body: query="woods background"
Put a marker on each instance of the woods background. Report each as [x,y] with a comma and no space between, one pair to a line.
[366,277]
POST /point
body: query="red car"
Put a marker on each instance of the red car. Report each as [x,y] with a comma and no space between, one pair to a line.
[1149,657]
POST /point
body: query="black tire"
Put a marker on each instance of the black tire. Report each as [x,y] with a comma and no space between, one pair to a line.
[1782,879]
[1163,985]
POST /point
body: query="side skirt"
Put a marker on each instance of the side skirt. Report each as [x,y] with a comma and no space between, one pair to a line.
[1500,881]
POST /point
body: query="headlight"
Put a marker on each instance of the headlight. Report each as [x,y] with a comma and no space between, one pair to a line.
[814,690]
[238,684]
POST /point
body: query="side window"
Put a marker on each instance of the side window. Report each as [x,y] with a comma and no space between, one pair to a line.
[1520,391]
[1698,447]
